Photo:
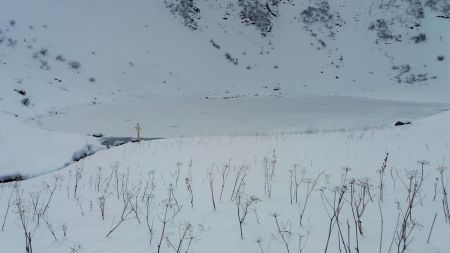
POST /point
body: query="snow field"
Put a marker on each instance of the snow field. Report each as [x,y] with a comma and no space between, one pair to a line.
[147,171]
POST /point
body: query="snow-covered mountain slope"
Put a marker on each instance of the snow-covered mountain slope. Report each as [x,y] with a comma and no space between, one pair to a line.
[65,52]
[58,54]
[310,81]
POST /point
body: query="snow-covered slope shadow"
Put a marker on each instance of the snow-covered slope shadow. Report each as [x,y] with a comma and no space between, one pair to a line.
[28,150]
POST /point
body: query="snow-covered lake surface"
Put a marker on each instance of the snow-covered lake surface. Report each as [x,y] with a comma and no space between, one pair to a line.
[175,117]
[33,149]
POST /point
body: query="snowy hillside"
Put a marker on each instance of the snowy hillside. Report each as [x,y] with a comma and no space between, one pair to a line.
[276,117]
[55,55]
[144,197]
[65,52]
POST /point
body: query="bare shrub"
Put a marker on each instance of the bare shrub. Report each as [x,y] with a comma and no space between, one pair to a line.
[8,206]
[211,186]
[381,174]
[214,44]
[269,164]
[239,180]
[25,101]
[421,37]
[186,234]
[311,185]
[148,203]
[224,175]
[360,197]
[24,219]
[60,58]
[407,223]
[43,51]
[243,207]
[74,65]
[336,206]
[102,204]
[228,56]
[188,182]
[168,204]
[445,205]
[284,231]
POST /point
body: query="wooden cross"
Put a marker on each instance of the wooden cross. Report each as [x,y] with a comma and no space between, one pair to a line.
[138,129]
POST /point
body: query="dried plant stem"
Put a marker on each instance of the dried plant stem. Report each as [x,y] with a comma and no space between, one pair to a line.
[381,225]
[8,207]
[281,232]
[431,229]
[309,191]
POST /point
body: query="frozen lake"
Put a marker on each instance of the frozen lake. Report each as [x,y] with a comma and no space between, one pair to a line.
[175,117]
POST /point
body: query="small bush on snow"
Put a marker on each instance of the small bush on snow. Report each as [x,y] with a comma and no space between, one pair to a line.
[25,101]
[60,58]
[230,58]
[43,51]
[421,37]
[75,65]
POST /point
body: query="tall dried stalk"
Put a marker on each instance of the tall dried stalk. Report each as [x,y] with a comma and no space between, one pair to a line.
[311,185]
[269,173]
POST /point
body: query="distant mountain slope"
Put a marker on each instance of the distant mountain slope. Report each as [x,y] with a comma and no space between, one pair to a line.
[70,52]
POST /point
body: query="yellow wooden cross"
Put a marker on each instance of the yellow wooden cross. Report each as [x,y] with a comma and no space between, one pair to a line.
[138,130]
